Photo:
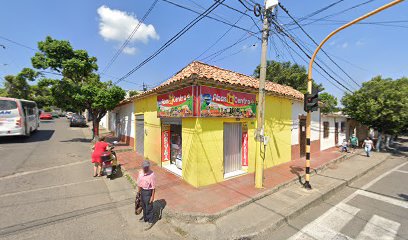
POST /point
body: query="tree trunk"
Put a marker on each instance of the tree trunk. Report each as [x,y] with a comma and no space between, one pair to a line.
[379,141]
[95,129]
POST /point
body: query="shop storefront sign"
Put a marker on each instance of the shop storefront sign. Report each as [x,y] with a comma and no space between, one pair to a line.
[178,103]
[217,102]
[165,142]
[244,145]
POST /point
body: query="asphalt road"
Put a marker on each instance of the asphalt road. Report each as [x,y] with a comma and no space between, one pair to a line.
[47,191]
[374,207]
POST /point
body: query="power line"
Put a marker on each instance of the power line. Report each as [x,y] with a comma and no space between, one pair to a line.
[219,39]
[210,17]
[173,39]
[301,57]
[310,37]
[338,13]
[117,54]
[244,13]
[219,52]
[319,10]
[297,44]
[17,43]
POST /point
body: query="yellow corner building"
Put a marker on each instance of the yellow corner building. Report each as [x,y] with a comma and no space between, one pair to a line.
[200,124]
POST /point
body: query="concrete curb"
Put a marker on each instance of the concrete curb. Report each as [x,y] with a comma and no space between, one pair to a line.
[323,197]
[207,218]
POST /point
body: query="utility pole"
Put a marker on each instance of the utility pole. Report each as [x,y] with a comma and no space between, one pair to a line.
[310,81]
[260,134]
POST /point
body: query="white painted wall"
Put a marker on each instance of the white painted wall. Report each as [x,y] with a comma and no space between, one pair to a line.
[125,119]
[297,110]
[329,142]
[104,123]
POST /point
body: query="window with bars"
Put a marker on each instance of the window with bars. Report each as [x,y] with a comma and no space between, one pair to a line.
[325,129]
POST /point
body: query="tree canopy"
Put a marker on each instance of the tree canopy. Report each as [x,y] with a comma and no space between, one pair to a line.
[287,73]
[381,104]
[80,87]
[329,103]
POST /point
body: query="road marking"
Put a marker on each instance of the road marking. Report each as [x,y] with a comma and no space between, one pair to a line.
[379,228]
[48,188]
[393,201]
[401,171]
[19,174]
[328,225]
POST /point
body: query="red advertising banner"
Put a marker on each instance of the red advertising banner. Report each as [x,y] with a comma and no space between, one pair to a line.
[244,145]
[217,102]
[165,142]
[178,103]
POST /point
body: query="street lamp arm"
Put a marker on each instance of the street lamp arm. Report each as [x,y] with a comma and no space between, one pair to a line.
[346,26]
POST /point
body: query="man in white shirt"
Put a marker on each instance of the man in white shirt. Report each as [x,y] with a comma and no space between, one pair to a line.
[368,145]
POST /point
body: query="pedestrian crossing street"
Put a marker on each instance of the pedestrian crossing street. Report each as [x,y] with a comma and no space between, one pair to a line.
[329,225]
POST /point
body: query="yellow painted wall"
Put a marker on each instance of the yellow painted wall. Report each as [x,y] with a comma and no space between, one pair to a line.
[152,138]
[203,161]
[278,123]
[202,140]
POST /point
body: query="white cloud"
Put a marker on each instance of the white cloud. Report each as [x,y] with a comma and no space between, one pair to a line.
[344,45]
[130,50]
[116,25]
[359,43]
[332,43]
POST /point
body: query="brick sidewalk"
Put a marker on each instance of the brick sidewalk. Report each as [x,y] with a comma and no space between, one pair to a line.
[186,199]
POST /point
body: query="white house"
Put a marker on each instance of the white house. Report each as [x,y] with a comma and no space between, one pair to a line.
[299,131]
[121,122]
[334,129]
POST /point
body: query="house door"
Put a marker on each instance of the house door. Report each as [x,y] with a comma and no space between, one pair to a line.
[336,133]
[302,136]
[140,134]
[232,147]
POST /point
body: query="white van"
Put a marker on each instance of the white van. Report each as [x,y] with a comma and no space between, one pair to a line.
[18,117]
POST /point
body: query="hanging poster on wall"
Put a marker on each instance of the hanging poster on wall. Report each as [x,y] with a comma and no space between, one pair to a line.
[165,142]
[177,103]
[217,102]
[245,145]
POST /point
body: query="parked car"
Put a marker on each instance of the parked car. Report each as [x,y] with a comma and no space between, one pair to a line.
[46,116]
[69,115]
[55,115]
[77,121]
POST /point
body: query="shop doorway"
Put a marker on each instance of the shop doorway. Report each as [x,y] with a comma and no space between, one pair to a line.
[302,136]
[232,149]
[175,145]
[140,134]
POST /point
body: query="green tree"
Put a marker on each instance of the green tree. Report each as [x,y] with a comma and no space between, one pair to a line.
[80,87]
[381,104]
[288,74]
[329,103]
[133,93]
[18,86]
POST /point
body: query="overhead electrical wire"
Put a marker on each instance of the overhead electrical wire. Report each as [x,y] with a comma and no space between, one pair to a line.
[17,43]
[319,11]
[218,39]
[172,39]
[129,38]
[317,44]
[209,17]
[337,13]
[307,62]
[307,54]
[244,13]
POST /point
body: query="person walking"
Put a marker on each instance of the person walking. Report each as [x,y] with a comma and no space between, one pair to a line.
[368,146]
[146,183]
[353,143]
[99,147]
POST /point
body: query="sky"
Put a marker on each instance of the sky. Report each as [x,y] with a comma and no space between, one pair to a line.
[363,51]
